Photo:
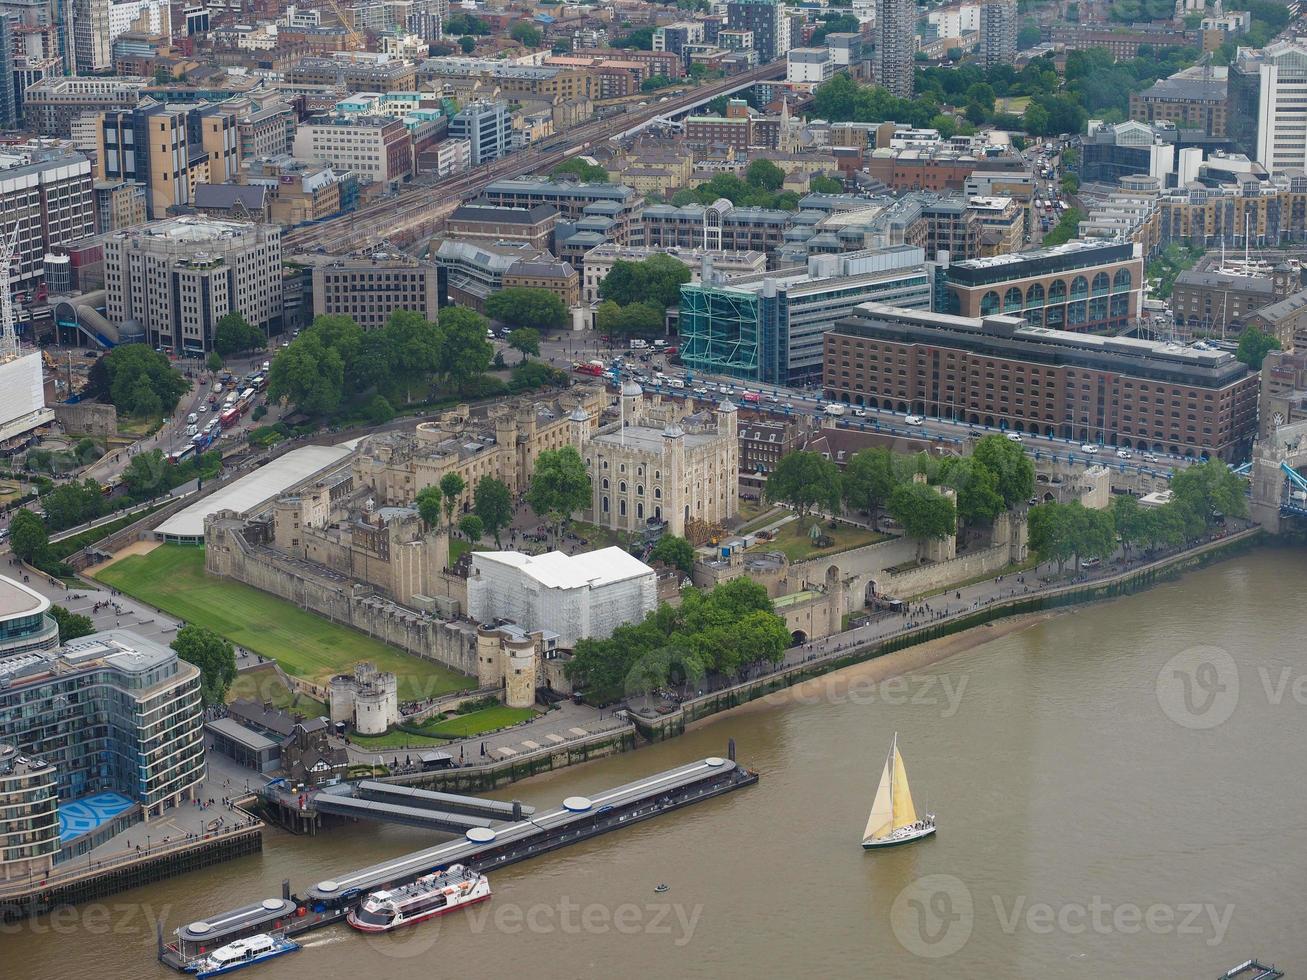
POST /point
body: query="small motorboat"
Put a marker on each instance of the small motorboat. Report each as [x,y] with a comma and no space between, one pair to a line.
[661,888]
[242,953]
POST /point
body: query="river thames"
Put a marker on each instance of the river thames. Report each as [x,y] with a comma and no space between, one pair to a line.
[1118,789]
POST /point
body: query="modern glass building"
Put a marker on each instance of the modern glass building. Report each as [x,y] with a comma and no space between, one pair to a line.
[110,711]
[769,327]
[29,815]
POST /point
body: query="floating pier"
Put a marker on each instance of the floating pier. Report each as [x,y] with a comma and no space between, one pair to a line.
[484,848]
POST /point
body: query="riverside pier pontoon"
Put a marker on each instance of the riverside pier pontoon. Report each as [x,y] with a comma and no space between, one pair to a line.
[483,848]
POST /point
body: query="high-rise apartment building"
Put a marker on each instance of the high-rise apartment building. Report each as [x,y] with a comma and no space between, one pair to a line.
[768,20]
[998,32]
[1268,105]
[178,278]
[485,125]
[169,149]
[896,22]
[92,43]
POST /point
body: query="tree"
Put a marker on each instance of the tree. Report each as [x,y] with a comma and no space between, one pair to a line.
[28,537]
[137,380]
[641,39]
[1210,488]
[674,551]
[493,503]
[71,625]
[1254,345]
[72,503]
[656,281]
[234,333]
[525,35]
[428,504]
[452,486]
[214,361]
[559,485]
[472,527]
[765,175]
[528,306]
[869,479]
[978,498]
[924,512]
[308,374]
[525,340]
[1012,468]
[1070,184]
[464,353]
[588,173]
[213,655]
[467,43]
[636,320]
[412,348]
[821,184]
[805,480]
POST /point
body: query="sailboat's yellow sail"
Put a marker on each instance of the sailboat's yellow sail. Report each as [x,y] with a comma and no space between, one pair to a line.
[904,812]
[881,820]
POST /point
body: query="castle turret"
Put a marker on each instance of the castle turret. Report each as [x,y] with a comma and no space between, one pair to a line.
[678,511]
[579,428]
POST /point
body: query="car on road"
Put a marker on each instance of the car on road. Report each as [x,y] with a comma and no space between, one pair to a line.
[913,419]
[1149,457]
[1014,437]
[1089,448]
[1124,454]
[860,413]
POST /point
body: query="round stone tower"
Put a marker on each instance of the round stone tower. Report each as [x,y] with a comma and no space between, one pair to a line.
[520,673]
[342,699]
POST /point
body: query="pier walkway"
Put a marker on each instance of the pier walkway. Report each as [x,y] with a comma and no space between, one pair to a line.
[483,848]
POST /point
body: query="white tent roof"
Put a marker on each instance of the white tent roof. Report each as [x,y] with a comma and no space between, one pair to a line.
[247,493]
[556,570]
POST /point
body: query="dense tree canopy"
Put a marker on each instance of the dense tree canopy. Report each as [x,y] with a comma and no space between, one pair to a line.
[805,481]
[213,655]
[559,486]
[1254,345]
[527,306]
[637,320]
[28,537]
[924,512]
[1013,470]
[234,333]
[723,631]
[674,551]
[71,624]
[493,503]
[137,380]
[525,34]
[428,501]
[1060,532]
[656,280]
[589,173]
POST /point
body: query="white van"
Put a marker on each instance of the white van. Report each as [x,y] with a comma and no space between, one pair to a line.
[192,429]
[638,343]
[192,418]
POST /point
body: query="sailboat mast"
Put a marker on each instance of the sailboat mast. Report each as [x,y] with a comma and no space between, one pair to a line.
[893,753]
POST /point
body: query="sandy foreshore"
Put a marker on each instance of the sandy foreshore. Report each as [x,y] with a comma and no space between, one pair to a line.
[882,668]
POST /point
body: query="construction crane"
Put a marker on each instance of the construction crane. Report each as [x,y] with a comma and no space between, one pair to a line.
[355,38]
[8,334]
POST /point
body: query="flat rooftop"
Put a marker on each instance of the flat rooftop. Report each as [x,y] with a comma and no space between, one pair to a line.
[17,599]
[249,492]
[556,570]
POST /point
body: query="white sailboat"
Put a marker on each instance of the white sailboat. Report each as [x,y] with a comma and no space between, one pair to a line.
[893,818]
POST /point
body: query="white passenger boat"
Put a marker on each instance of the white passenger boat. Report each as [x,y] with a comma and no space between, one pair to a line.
[242,953]
[429,896]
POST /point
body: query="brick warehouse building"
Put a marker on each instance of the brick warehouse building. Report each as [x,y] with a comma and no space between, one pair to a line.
[1000,371]
[1088,286]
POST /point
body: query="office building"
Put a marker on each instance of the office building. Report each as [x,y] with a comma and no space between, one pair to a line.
[50,105]
[480,221]
[1268,105]
[113,713]
[1122,42]
[118,204]
[935,168]
[485,126]
[619,204]
[368,289]
[92,45]
[177,278]
[676,38]
[717,227]
[769,327]
[1000,371]
[998,32]
[810,66]
[1189,101]
[768,20]
[48,194]
[1083,286]
[536,82]
[1219,300]
[475,270]
[599,261]
[356,71]
[168,149]
[377,148]
[896,26]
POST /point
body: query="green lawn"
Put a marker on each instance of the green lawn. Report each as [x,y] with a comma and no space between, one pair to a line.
[172,578]
[478,722]
[393,740]
[265,685]
[794,541]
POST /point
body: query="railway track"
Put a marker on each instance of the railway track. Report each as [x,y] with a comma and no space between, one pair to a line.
[418,211]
